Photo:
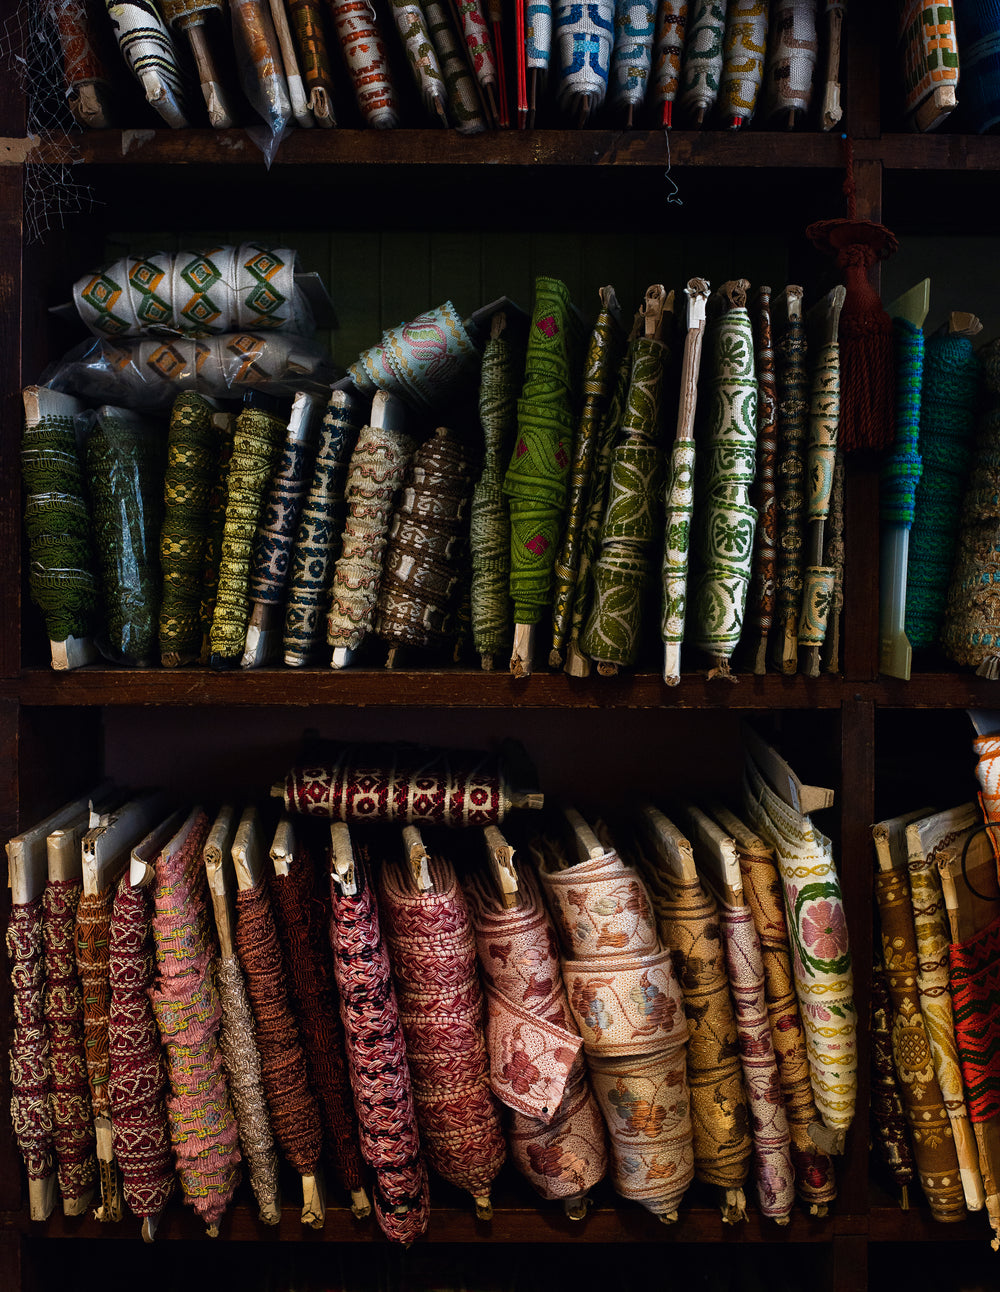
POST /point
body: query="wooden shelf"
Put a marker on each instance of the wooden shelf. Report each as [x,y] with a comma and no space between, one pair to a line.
[510,1224]
[558,148]
[408,689]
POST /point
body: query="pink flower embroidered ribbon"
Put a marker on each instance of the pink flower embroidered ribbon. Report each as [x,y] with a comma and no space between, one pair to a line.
[773,1169]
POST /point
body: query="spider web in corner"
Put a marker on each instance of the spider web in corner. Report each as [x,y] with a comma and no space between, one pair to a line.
[29,47]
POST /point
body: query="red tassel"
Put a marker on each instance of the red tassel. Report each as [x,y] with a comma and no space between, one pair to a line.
[867,406]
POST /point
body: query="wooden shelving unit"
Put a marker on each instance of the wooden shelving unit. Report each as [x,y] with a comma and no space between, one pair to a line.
[58,731]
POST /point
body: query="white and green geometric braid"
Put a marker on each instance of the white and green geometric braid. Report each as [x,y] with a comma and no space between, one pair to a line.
[726,519]
[631,521]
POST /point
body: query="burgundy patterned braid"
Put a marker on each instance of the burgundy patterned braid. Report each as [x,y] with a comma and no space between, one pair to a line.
[294,1112]
[69,1094]
[441,1009]
[188,1013]
[376,1059]
[560,1148]
[93,943]
[138,1069]
[29,1052]
[407,784]
[302,920]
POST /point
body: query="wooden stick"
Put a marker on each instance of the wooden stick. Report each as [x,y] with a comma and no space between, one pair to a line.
[781,778]
[500,856]
[218,858]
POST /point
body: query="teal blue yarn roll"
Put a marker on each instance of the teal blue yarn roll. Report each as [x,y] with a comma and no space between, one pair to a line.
[903,467]
[949,399]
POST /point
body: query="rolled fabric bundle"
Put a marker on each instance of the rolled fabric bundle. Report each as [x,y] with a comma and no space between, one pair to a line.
[792,46]
[428,544]
[933,1143]
[410,785]
[724,538]
[929,59]
[577,664]
[376,1051]
[977,28]
[422,56]
[92,944]
[824,421]
[364,51]
[489,518]
[603,353]
[256,445]
[295,1115]
[537,1068]
[743,60]
[124,457]
[198,293]
[290,61]
[237,1043]
[928,838]
[688,918]
[479,50]
[189,16]
[147,374]
[949,396]
[701,71]
[967,865]
[321,524]
[760,610]
[302,919]
[62,564]
[30,1056]
[460,84]
[624,564]
[537,47]
[425,362]
[306,18]
[62,1004]
[815,1181]
[192,464]
[632,55]
[793,409]
[888,1114]
[148,49]
[537,477]
[441,1010]
[271,557]
[88,86]
[215,528]
[671,25]
[679,495]
[378,464]
[261,68]
[821,956]
[970,633]
[628,1006]
[137,1066]
[833,12]
[718,864]
[186,1005]
[582,41]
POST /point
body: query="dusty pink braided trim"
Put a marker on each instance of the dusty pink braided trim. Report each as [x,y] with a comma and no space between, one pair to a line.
[376,1057]
[188,1014]
[69,1092]
[29,1051]
[441,1009]
[137,1079]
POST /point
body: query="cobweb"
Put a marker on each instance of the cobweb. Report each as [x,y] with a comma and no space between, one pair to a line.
[29,47]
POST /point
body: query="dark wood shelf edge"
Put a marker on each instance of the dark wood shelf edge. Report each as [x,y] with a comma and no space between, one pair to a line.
[467,688]
[556,148]
[458,688]
[890,1224]
[453,1225]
